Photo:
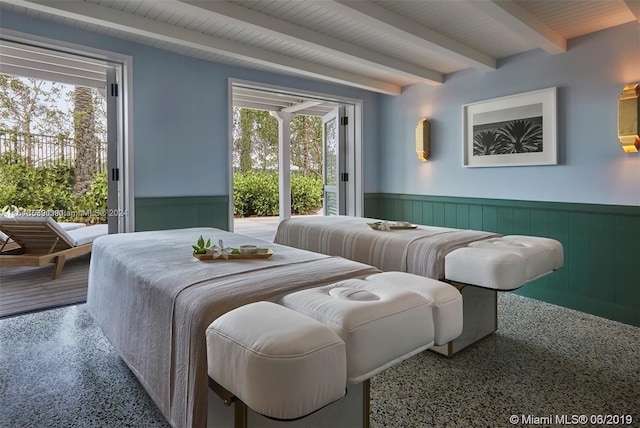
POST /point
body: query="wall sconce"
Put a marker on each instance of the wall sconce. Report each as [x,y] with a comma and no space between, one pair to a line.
[423,139]
[629,118]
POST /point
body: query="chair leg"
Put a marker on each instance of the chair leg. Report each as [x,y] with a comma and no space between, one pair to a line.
[59,265]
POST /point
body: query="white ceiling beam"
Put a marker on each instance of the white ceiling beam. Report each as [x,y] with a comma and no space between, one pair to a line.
[273,105]
[313,112]
[512,16]
[301,106]
[54,68]
[319,111]
[30,61]
[132,24]
[634,7]
[413,33]
[255,106]
[242,17]
[34,73]
[33,54]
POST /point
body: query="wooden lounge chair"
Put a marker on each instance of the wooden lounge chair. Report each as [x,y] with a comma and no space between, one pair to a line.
[7,243]
[42,241]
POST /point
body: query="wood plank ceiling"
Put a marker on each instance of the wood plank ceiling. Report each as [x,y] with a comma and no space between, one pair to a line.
[379,45]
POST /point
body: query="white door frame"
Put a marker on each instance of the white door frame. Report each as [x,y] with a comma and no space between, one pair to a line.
[353,106]
[125,127]
[339,188]
[284,162]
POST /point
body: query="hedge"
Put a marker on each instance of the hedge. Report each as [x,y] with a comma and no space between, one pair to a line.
[51,189]
[256,193]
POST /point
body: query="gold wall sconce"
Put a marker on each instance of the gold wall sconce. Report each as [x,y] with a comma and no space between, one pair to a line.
[423,139]
[629,118]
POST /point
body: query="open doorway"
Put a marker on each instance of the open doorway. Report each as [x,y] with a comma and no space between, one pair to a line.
[53,150]
[62,150]
[292,154]
[61,115]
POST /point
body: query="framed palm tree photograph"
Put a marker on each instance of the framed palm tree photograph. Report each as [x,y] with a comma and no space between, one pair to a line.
[515,130]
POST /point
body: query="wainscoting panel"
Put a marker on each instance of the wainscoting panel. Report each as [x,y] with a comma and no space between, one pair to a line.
[180,212]
[601,273]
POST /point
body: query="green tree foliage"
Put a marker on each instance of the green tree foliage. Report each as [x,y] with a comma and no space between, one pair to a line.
[255,142]
[31,106]
[242,131]
[265,140]
[306,144]
[37,106]
[35,114]
[27,106]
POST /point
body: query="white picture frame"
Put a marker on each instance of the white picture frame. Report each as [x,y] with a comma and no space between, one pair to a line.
[516,130]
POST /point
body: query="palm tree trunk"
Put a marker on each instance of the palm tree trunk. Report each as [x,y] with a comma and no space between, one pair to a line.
[84,139]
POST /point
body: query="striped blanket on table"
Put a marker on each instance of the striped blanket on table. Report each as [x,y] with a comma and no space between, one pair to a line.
[420,251]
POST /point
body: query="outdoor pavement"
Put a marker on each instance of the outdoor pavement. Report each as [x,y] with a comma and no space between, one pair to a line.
[259,227]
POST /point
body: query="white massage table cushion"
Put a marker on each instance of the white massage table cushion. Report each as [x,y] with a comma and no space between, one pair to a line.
[446,301]
[380,325]
[538,259]
[554,247]
[505,263]
[280,363]
[486,267]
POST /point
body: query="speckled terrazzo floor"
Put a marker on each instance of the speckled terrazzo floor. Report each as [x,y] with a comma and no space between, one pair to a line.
[544,360]
[57,370]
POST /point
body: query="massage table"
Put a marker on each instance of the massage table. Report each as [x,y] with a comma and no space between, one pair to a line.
[154,301]
[478,263]
[309,358]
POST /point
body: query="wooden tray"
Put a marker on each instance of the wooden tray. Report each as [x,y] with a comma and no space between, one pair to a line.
[266,255]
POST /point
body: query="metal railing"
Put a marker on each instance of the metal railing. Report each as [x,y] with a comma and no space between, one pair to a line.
[47,150]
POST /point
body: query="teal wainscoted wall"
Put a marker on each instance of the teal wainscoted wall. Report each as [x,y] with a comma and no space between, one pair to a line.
[180,212]
[601,273]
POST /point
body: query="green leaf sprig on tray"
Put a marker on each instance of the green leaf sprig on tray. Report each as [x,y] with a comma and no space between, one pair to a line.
[381,225]
[219,250]
[201,247]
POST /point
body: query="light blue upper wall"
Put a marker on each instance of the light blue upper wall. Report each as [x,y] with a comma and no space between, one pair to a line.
[592,166]
[180,112]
